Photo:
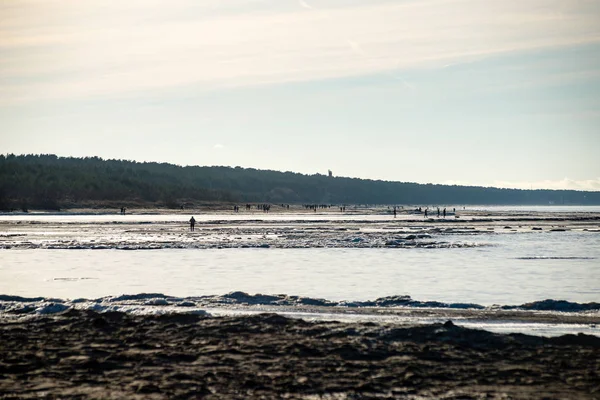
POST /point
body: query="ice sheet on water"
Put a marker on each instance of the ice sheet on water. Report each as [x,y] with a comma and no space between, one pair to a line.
[239,298]
[555,305]
[380,310]
[51,308]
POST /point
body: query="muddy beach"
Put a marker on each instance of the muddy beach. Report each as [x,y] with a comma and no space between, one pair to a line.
[83,354]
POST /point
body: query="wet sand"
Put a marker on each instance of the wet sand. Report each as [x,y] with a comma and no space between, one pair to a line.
[83,354]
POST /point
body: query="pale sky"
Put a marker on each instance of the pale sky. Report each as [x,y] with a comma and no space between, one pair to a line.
[480,92]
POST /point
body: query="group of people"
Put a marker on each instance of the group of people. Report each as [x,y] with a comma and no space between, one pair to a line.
[425,212]
[316,206]
[266,207]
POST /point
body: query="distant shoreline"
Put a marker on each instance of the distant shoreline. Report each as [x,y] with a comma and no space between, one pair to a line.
[53,183]
[110,208]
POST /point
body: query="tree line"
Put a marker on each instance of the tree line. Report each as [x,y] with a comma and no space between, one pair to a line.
[50,182]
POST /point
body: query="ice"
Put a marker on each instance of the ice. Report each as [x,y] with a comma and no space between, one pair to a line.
[333,264]
[401,310]
[51,308]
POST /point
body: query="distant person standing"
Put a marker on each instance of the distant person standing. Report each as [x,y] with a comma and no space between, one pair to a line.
[394,212]
[444,212]
[425,215]
[192,223]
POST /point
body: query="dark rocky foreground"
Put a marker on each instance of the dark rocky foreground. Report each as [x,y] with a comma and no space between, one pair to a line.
[82,354]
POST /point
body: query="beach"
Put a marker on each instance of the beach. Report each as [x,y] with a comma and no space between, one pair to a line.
[499,303]
[84,354]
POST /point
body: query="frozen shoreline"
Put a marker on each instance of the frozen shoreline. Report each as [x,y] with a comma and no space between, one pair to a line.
[545,318]
[475,260]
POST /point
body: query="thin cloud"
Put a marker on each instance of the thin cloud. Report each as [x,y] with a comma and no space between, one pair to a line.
[355,46]
[123,48]
[305,4]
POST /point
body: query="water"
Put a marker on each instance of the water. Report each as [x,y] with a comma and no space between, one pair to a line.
[504,267]
[484,276]
[353,213]
[356,257]
[536,209]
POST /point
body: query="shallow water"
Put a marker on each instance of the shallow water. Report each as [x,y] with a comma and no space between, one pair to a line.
[352,213]
[503,267]
[501,255]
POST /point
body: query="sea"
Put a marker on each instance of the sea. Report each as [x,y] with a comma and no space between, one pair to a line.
[478,257]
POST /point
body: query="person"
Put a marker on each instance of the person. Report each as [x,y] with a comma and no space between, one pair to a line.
[425,213]
[394,212]
[192,223]
[444,212]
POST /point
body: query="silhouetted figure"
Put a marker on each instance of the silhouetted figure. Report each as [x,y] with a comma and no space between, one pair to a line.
[192,223]
[394,212]
[444,212]
[425,215]
[438,212]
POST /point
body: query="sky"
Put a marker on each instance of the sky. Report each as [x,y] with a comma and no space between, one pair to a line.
[470,92]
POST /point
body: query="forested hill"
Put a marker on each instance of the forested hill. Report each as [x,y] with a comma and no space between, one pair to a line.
[51,182]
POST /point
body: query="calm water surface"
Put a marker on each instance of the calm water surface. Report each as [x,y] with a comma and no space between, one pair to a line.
[514,269]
